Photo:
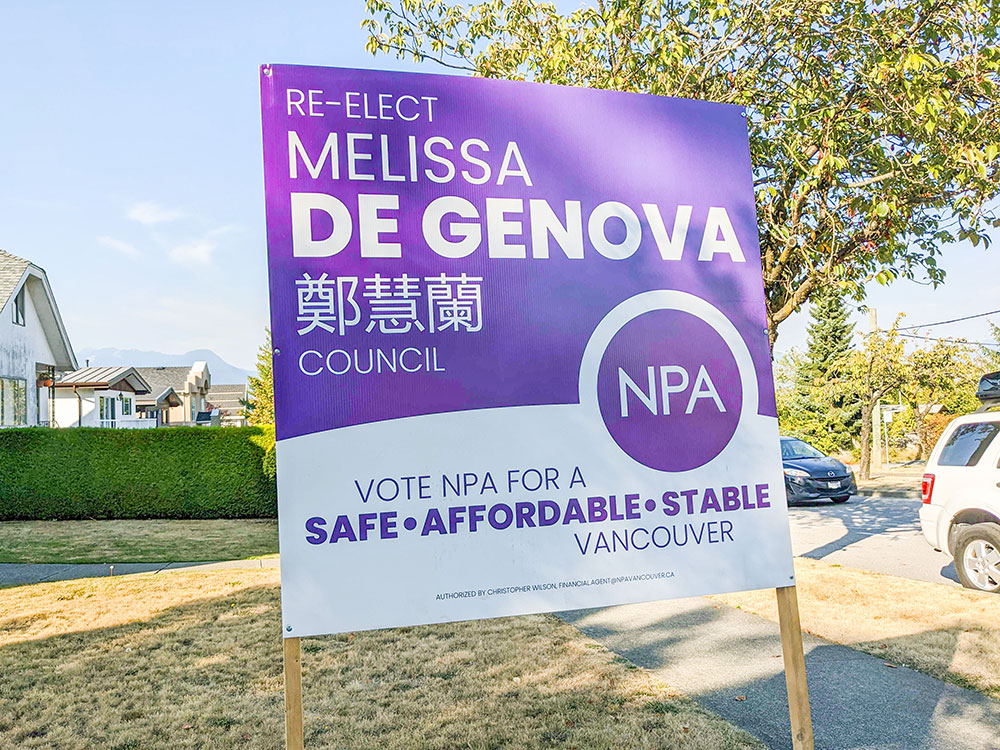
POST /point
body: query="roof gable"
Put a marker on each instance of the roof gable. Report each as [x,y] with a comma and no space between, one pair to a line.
[16,273]
[12,271]
[105,377]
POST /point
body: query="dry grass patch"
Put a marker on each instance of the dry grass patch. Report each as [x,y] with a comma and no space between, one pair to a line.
[950,633]
[136,541]
[193,660]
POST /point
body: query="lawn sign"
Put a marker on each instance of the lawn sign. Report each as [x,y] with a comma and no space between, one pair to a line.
[521,360]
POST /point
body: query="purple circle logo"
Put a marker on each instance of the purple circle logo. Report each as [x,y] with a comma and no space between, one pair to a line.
[669,390]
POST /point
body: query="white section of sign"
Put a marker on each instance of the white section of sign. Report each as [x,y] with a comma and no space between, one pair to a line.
[343,586]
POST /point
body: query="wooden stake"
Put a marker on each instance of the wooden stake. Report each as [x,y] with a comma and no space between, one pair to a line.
[795,668]
[293,695]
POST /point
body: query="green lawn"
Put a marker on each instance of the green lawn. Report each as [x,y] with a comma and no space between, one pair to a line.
[135,541]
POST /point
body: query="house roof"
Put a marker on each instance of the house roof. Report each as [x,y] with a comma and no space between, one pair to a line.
[178,378]
[228,398]
[12,271]
[16,273]
[161,378]
[168,397]
[104,377]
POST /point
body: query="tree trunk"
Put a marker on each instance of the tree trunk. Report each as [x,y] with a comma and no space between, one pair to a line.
[923,439]
[866,441]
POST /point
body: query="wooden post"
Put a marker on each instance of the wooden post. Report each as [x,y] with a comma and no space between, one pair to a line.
[293,695]
[795,668]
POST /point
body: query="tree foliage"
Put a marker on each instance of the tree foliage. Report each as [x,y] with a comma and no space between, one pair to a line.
[942,376]
[259,406]
[874,129]
[874,370]
[832,409]
[991,354]
[817,407]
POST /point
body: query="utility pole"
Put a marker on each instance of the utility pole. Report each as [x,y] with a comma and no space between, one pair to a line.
[877,409]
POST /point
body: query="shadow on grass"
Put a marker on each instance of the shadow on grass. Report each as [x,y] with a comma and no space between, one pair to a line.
[207,674]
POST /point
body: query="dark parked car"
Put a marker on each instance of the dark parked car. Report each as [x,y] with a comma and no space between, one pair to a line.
[812,475]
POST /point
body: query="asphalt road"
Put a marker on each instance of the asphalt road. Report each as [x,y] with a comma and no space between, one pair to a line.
[878,533]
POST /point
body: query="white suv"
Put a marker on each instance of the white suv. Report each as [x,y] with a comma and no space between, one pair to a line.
[961,492]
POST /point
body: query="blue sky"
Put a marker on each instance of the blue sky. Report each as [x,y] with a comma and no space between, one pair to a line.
[131,169]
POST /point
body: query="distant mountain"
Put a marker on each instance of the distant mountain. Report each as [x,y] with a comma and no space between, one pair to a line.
[222,371]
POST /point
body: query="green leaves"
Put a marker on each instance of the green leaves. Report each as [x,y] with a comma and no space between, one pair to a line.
[259,406]
[874,134]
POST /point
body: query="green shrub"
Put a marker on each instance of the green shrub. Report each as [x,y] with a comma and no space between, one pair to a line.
[179,472]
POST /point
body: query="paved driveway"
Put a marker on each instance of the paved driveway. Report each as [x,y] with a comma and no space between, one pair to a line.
[877,533]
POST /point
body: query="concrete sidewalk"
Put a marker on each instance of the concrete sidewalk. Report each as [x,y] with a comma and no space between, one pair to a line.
[892,482]
[14,574]
[730,662]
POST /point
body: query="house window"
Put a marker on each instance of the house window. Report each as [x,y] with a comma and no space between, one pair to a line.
[126,406]
[13,402]
[18,308]
[107,408]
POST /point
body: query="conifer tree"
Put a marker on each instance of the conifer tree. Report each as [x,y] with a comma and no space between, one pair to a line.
[259,406]
[828,414]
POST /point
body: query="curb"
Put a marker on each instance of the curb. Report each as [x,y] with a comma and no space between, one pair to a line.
[902,494]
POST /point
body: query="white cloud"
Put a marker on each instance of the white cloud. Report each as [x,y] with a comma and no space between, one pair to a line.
[195,251]
[150,212]
[125,248]
[199,250]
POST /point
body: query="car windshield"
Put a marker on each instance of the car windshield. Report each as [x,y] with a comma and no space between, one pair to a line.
[799,449]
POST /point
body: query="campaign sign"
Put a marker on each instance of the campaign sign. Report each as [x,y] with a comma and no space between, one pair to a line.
[520,353]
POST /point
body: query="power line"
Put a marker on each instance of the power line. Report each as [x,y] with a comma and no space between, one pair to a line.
[992,345]
[946,322]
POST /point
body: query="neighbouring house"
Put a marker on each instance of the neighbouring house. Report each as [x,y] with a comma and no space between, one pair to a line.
[229,399]
[190,384]
[34,346]
[158,405]
[101,397]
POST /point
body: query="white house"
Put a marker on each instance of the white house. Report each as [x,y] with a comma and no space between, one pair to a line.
[101,397]
[33,343]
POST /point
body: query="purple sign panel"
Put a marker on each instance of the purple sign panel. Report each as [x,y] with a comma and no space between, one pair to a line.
[519,336]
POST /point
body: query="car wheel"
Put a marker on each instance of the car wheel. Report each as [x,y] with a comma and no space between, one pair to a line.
[977,556]
[839,500]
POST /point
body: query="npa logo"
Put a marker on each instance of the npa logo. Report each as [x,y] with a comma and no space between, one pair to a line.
[668,387]
[703,388]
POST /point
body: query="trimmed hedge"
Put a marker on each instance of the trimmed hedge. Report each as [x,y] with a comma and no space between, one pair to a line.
[176,472]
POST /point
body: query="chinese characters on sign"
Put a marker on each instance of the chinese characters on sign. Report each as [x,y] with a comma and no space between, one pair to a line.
[390,304]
